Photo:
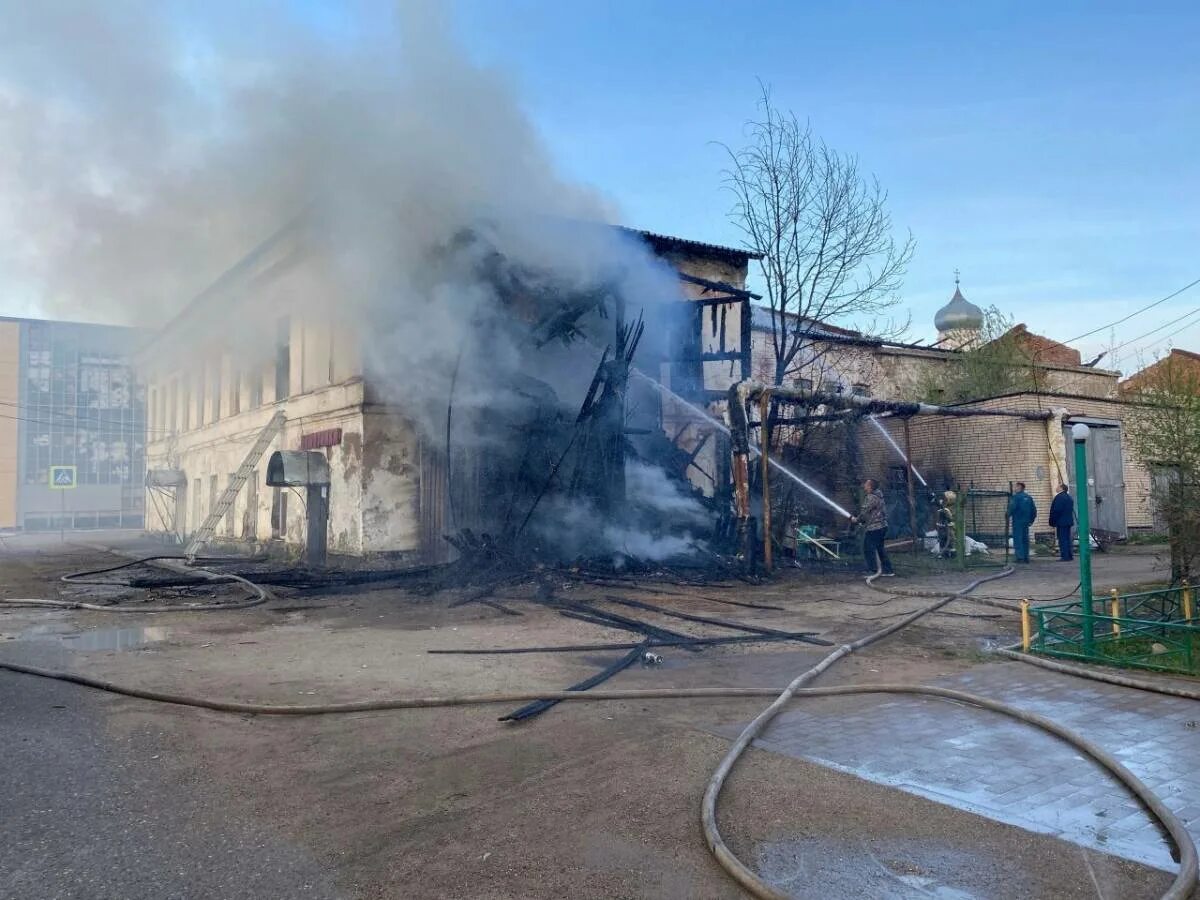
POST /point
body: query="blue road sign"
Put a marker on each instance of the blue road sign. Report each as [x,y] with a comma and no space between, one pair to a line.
[62,477]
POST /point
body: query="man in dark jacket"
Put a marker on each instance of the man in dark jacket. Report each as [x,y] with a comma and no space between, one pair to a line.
[873,518]
[1023,512]
[1062,518]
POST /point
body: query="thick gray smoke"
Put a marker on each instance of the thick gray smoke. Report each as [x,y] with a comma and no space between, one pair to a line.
[145,147]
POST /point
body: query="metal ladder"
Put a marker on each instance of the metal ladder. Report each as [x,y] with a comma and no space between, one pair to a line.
[208,528]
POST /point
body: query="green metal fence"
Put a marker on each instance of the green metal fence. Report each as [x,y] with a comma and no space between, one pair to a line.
[1147,630]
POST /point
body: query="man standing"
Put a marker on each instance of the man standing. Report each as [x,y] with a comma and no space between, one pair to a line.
[873,517]
[1023,512]
[944,523]
[1062,518]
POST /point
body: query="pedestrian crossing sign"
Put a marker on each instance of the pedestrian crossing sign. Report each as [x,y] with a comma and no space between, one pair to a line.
[62,477]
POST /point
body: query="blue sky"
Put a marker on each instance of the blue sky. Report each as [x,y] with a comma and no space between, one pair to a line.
[1049,151]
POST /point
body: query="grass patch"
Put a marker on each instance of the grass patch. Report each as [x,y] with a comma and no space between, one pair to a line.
[1182,654]
[1145,539]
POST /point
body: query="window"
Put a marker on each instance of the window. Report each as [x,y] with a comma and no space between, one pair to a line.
[256,387]
[250,516]
[235,388]
[331,346]
[172,414]
[152,415]
[216,389]
[212,494]
[201,390]
[861,389]
[186,401]
[229,512]
[283,358]
[279,514]
[898,477]
[196,518]
[804,384]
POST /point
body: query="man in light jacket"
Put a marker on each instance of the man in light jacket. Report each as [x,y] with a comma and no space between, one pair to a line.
[1062,518]
[1023,512]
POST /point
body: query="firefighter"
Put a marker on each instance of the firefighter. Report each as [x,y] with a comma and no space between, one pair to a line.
[873,518]
[944,522]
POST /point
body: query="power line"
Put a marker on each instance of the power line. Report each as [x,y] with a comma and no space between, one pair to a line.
[60,424]
[82,415]
[1136,312]
[1156,330]
[1168,337]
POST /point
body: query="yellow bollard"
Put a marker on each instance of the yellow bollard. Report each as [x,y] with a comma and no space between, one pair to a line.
[1116,613]
[1187,601]
[1026,631]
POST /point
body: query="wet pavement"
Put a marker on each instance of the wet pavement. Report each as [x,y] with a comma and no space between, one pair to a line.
[997,767]
[819,868]
[95,639]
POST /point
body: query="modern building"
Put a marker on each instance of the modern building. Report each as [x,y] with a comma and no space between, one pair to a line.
[72,426]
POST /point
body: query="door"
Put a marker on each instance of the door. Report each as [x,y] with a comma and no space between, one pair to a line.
[250,517]
[1106,477]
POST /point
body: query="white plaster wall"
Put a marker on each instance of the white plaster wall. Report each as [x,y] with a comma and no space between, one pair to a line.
[220,447]
[391,484]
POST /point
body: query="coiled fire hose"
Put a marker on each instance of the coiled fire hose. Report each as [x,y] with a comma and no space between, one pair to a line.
[258,594]
[1181,887]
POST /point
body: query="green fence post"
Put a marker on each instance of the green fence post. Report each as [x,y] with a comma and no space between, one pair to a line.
[1079,434]
[960,527]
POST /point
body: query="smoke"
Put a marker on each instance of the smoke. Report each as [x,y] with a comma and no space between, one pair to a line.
[146,147]
[663,521]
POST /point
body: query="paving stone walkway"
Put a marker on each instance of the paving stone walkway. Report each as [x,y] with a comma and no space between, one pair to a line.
[999,768]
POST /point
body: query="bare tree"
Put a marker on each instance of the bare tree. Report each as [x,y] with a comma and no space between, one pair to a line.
[823,229]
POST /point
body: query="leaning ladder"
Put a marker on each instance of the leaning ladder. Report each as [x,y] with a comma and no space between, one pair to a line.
[208,528]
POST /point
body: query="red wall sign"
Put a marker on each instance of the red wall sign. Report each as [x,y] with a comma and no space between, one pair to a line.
[330,437]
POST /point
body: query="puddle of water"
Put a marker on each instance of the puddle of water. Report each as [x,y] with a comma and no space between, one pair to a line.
[97,639]
[826,868]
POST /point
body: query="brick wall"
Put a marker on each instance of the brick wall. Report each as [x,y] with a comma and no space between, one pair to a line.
[989,453]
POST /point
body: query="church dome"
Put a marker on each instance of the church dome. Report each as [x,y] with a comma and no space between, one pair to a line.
[959,314]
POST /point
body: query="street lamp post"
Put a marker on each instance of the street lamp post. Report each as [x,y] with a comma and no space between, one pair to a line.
[1079,434]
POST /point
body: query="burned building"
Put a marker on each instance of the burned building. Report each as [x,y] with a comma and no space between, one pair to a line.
[72,426]
[504,432]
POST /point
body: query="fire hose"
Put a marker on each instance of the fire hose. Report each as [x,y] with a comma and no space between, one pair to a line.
[1181,887]
[258,596]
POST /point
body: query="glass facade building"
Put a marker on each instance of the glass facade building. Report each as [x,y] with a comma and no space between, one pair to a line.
[81,415]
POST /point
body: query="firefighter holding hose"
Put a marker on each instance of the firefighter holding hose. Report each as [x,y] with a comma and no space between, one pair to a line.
[873,518]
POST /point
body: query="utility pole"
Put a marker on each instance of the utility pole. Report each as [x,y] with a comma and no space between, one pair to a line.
[1079,434]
